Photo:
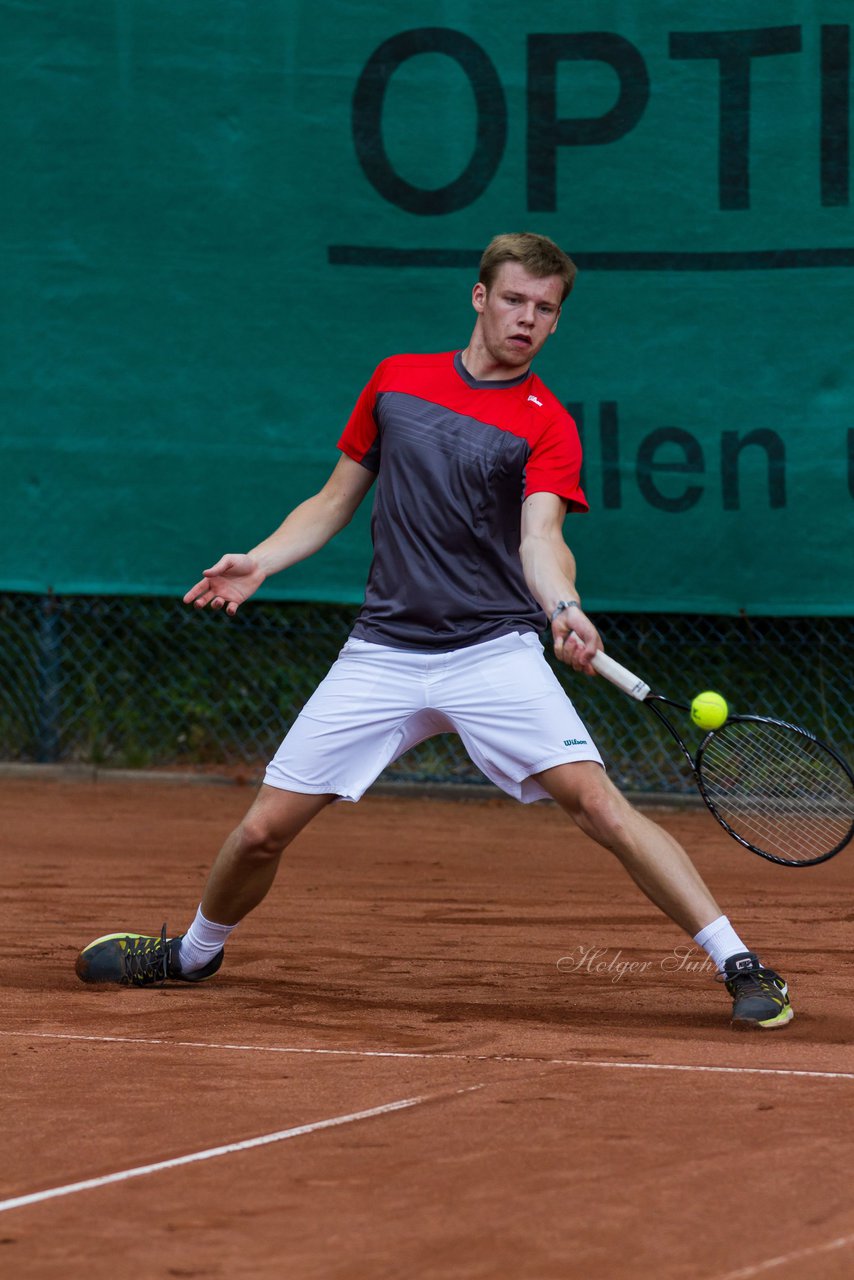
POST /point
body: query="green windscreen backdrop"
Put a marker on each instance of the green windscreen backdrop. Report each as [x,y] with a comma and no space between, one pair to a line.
[219,216]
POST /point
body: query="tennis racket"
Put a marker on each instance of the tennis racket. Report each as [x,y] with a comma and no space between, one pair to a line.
[774,787]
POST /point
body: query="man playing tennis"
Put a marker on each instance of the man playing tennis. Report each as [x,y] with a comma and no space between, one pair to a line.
[476,464]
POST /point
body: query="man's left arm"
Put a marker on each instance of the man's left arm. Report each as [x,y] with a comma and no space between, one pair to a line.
[549,568]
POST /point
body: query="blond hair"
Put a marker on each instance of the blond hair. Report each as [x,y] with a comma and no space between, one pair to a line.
[537,254]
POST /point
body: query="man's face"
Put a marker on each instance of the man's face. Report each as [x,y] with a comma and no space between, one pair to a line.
[517,314]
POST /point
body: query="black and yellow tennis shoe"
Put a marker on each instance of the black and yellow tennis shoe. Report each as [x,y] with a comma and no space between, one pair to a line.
[138,960]
[760,997]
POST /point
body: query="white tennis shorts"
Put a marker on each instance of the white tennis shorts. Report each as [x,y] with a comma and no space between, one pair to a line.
[501,697]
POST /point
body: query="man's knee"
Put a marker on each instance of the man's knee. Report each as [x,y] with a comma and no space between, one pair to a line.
[603,812]
[273,822]
[585,792]
[258,839]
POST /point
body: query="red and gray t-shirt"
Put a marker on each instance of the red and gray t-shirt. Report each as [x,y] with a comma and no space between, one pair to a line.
[455,458]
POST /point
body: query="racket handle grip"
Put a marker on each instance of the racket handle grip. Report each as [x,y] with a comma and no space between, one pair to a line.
[620,676]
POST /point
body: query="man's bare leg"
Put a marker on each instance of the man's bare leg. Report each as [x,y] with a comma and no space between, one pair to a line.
[246,865]
[240,878]
[662,869]
[656,862]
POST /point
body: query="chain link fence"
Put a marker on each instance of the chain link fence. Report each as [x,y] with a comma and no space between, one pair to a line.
[146,682]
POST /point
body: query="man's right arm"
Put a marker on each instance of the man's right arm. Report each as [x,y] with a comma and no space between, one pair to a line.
[235,577]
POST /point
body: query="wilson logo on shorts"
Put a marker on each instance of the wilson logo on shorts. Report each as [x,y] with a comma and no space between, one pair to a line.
[575,742]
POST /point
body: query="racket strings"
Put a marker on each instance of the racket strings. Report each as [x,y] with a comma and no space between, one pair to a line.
[778,789]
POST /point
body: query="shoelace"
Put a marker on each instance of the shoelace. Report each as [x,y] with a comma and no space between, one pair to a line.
[765,979]
[146,959]
[759,984]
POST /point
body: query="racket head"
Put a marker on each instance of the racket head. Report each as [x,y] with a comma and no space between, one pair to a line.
[777,789]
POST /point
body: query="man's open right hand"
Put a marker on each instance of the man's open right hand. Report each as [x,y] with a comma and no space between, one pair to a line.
[233,579]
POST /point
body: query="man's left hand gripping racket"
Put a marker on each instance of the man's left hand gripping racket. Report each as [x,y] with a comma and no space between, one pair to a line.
[774,787]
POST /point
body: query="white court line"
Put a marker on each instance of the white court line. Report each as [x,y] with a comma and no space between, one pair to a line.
[746,1272]
[211,1153]
[438,1057]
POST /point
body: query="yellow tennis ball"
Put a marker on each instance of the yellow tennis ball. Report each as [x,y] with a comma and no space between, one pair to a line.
[709,710]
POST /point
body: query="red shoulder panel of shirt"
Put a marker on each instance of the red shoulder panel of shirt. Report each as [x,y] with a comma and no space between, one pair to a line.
[525,408]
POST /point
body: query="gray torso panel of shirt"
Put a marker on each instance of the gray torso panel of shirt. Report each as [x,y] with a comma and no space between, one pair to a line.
[446,525]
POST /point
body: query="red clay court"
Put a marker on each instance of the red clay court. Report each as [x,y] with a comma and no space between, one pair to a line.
[455,1043]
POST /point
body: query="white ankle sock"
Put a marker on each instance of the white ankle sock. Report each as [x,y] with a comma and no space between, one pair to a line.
[201,942]
[720,941]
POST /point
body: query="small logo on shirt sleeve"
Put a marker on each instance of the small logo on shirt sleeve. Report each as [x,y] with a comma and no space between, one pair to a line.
[537,402]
